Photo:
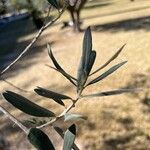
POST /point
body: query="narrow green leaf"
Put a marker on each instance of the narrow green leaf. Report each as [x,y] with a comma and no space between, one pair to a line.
[59,68]
[107,73]
[69,137]
[110,60]
[74,117]
[61,133]
[81,80]
[54,3]
[91,61]
[110,93]
[40,140]
[26,106]
[85,59]
[53,58]
[87,47]
[50,94]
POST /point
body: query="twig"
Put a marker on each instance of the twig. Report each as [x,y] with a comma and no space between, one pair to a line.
[12,118]
[33,41]
[68,109]
[61,115]
[48,123]
[11,84]
[55,119]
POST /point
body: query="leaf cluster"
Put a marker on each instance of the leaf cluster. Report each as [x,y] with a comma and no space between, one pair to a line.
[35,135]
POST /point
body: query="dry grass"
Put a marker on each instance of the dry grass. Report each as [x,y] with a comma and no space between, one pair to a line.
[117,122]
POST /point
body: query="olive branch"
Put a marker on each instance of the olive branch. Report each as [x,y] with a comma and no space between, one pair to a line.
[35,134]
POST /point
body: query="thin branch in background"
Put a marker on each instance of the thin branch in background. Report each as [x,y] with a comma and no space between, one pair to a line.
[12,118]
[11,84]
[49,10]
[48,13]
[33,41]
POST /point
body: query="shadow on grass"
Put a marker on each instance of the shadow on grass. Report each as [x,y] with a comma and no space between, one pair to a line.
[127,140]
[141,81]
[126,122]
[125,25]
[118,12]
[133,137]
[113,142]
[97,5]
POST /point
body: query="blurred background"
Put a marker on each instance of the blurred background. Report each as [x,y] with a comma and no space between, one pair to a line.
[114,123]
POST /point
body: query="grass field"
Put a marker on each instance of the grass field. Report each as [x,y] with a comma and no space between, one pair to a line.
[114,123]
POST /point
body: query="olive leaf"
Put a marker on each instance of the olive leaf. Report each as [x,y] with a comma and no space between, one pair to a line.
[107,73]
[74,117]
[110,60]
[26,106]
[40,140]
[87,60]
[69,137]
[59,68]
[61,133]
[50,94]
[91,61]
[87,47]
[54,3]
[110,93]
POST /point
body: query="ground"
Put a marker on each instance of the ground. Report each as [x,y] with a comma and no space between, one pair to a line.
[116,122]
